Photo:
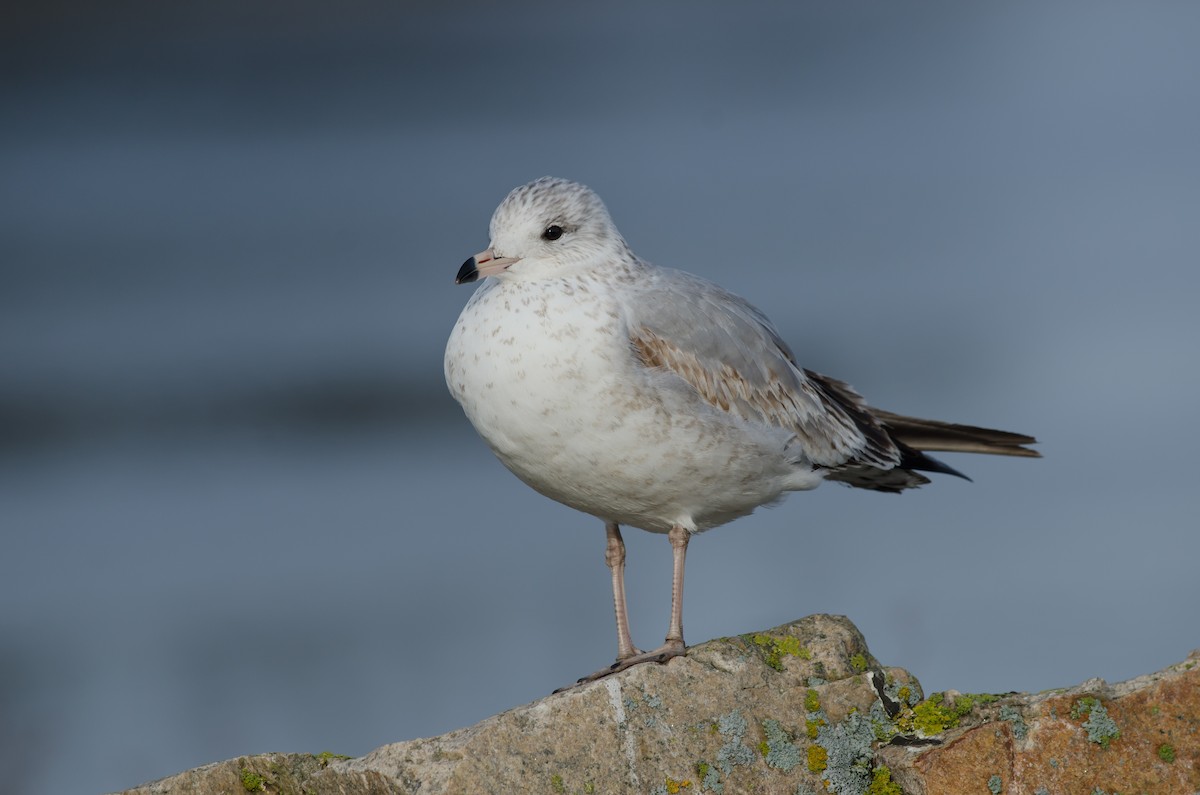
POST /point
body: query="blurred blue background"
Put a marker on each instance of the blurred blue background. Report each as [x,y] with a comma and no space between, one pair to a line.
[240,512]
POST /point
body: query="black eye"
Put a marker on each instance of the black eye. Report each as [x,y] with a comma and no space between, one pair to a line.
[553,232]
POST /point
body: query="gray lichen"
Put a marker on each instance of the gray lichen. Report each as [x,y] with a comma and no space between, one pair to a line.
[1101,728]
[734,752]
[1011,714]
[710,778]
[781,754]
[848,749]
[907,694]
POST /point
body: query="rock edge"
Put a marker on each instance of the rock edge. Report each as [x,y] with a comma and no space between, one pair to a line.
[799,709]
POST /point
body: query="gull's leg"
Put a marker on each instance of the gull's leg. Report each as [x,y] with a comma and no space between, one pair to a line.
[614,556]
[679,537]
[674,646]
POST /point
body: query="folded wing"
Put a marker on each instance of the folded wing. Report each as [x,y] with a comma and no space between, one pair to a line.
[731,355]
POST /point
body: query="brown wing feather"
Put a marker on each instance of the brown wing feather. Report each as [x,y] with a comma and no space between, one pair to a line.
[835,429]
[861,446]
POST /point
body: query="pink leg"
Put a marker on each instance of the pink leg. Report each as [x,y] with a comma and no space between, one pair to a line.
[679,537]
[674,646]
[614,556]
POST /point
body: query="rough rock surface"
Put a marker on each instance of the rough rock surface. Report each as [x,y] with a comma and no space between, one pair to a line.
[797,710]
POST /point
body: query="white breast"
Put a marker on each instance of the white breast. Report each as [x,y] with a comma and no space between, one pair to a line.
[545,372]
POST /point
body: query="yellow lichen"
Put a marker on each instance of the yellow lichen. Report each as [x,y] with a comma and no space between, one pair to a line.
[775,649]
[882,784]
[818,758]
[252,782]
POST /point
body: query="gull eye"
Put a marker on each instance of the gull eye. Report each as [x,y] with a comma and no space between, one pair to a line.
[553,232]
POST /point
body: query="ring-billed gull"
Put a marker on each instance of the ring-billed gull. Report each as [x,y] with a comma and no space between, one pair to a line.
[652,398]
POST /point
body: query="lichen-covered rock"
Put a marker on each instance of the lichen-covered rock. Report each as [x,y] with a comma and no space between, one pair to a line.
[283,774]
[1142,735]
[802,708]
[735,715]
[729,717]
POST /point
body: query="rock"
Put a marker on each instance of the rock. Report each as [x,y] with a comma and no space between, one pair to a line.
[802,708]
[1137,736]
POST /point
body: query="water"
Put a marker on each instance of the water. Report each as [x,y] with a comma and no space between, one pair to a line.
[241,514]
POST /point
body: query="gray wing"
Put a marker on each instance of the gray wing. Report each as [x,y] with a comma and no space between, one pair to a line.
[731,355]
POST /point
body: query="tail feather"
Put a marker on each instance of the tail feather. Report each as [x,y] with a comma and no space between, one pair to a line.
[911,436]
[922,434]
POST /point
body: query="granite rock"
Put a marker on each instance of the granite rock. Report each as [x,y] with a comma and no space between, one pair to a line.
[801,708]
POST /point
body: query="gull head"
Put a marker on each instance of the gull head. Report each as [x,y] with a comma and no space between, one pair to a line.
[545,229]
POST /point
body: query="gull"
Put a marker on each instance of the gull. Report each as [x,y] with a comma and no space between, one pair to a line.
[652,398]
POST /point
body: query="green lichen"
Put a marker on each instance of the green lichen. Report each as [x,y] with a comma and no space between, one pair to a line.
[995,785]
[883,728]
[930,717]
[778,749]
[774,649]
[1082,707]
[818,758]
[252,782]
[1166,752]
[556,783]
[934,716]
[903,694]
[882,784]
[325,757]
[812,700]
[812,726]
[858,662]
[1100,727]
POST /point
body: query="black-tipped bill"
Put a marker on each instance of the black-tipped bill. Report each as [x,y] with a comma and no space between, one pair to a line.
[469,272]
[482,265]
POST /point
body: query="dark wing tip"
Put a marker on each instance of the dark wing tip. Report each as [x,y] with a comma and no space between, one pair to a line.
[915,459]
